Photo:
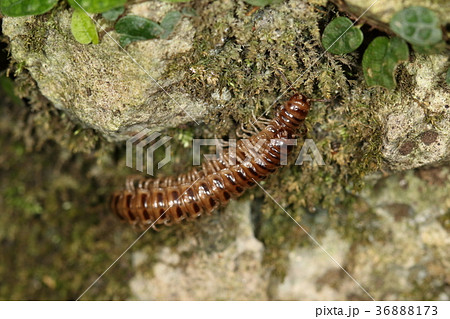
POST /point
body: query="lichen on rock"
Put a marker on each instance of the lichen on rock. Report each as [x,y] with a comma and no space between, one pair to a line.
[102,86]
[417,121]
[222,66]
[228,268]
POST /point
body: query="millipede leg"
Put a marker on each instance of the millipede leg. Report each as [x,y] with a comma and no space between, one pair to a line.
[152,202]
[246,133]
[130,182]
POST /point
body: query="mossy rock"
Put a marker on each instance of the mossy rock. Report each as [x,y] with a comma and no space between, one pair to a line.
[222,66]
[100,86]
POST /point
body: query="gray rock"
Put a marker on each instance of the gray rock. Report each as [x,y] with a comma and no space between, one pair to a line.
[102,86]
[311,273]
[223,61]
[417,123]
[413,259]
[406,257]
[229,271]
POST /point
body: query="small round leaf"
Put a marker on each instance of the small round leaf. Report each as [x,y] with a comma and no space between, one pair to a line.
[340,37]
[139,27]
[417,25]
[380,60]
[17,8]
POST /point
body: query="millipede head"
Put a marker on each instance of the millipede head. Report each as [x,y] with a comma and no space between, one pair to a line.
[298,106]
[293,112]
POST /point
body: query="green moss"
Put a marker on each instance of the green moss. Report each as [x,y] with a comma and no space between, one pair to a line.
[55,212]
[242,54]
[36,40]
[236,51]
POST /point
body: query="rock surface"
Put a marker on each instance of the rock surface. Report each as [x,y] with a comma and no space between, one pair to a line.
[232,270]
[104,87]
[394,241]
[417,121]
[312,273]
[412,261]
[406,257]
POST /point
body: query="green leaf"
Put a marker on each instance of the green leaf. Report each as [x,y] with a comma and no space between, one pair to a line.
[340,37]
[139,26]
[262,3]
[113,14]
[83,28]
[96,6]
[417,25]
[380,60]
[134,28]
[447,78]
[169,22]
[17,8]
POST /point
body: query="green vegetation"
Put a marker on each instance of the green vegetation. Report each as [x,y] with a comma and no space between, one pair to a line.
[134,28]
[417,25]
[113,14]
[175,1]
[7,86]
[17,8]
[83,29]
[337,42]
[95,6]
[381,58]
[71,237]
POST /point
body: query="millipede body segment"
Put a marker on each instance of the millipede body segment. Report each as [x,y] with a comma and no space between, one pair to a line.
[151,202]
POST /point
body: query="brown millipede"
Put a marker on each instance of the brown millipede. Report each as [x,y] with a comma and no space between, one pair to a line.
[150,202]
